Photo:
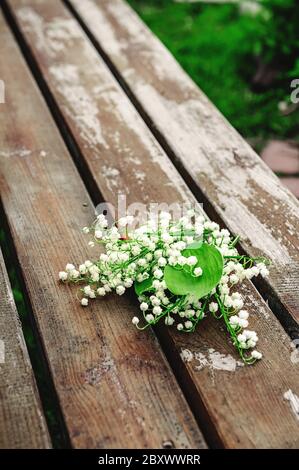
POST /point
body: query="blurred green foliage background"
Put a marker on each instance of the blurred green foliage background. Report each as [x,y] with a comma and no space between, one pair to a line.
[243,55]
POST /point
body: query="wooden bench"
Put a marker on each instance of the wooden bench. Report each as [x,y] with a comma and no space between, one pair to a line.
[94,107]
[22,424]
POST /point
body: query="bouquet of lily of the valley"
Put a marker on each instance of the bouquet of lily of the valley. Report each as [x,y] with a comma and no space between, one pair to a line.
[181,271]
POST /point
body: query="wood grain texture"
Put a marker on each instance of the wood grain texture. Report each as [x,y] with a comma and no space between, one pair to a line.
[228,176]
[241,407]
[114,385]
[22,423]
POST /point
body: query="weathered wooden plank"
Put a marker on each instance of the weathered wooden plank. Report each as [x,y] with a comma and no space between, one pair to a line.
[22,423]
[114,385]
[227,175]
[235,405]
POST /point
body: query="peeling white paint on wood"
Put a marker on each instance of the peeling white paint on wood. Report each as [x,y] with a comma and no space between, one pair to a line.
[140,175]
[213,360]
[111,176]
[138,34]
[95,15]
[22,152]
[186,355]
[81,105]
[125,113]
[53,36]
[293,400]
[216,361]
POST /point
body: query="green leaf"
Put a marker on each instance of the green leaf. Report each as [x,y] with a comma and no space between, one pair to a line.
[143,286]
[181,282]
[192,246]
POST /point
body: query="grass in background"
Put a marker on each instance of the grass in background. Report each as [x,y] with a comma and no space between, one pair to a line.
[217,45]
